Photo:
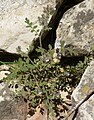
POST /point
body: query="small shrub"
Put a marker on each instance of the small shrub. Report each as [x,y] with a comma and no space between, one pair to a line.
[41,80]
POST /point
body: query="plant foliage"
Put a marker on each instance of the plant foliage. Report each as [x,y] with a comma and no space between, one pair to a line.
[41,80]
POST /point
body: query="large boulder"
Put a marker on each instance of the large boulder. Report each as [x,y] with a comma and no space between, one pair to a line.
[85,87]
[77,26]
[13,31]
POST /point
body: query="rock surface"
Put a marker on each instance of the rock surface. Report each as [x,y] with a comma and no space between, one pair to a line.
[10,108]
[13,31]
[77,26]
[86,86]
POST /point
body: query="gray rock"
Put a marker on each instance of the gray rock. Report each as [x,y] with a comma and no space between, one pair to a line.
[10,107]
[77,26]
[13,31]
[86,86]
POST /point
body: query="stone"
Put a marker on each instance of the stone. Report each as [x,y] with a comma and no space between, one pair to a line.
[4,67]
[84,88]
[10,107]
[13,31]
[3,74]
[77,26]
[3,71]
[10,110]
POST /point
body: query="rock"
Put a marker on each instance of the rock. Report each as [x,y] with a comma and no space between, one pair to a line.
[10,107]
[3,74]
[4,67]
[10,110]
[85,87]
[77,26]
[13,31]
[3,71]
[77,29]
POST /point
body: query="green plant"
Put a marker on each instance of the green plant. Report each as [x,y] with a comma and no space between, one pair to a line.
[41,80]
[44,18]
[69,50]
[37,79]
[31,26]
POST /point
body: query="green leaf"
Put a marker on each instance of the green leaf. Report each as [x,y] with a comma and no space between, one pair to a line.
[50,47]
[24,69]
[34,27]
[32,30]
[38,30]
[27,20]
[27,61]
[40,50]
[27,26]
